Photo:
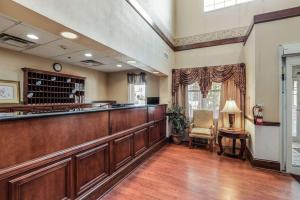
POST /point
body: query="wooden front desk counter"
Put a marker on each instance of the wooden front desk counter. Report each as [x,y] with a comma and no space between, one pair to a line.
[76,154]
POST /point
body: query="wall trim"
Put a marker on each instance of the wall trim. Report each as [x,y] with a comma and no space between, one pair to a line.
[210,43]
[272,16]
[260,163]
[265,123]
[257,19]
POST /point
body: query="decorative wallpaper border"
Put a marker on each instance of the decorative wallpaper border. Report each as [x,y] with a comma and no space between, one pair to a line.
[206,37]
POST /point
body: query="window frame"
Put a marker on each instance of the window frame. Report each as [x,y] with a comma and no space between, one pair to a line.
[224,7]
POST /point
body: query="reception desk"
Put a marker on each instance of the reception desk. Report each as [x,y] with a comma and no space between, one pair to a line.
[76,154]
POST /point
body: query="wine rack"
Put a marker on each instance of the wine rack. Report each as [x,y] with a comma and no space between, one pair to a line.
[43,87]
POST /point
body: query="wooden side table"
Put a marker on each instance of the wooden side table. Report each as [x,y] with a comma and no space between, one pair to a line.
[234,134]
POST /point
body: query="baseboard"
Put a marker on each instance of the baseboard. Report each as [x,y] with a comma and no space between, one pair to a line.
[260,163]
[297,177]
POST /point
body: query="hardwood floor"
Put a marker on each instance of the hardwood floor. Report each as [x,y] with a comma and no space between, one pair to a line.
[177,172]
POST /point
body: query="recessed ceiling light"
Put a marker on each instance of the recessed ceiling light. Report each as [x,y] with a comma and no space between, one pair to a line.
[131,61]
[155,72]
[88,55]
[69,35]
[32,36]
[119,65]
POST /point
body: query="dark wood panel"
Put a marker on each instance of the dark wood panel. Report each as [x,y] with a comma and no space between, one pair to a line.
[91,167]
[97,192]
[156,113]
[123,151]
[154,134]
[163,128]
[34,138]
[48,183]
[121,120]
[140,141]
[4,109]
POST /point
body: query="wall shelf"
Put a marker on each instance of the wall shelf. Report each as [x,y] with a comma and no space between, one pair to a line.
[43,87]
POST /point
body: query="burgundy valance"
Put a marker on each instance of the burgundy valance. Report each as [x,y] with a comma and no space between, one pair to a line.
[206,75]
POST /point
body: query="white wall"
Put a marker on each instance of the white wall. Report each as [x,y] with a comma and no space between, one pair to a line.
[192,20]
[113,23]
[162,13]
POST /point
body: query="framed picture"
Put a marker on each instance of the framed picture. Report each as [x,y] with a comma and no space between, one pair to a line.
[9,92]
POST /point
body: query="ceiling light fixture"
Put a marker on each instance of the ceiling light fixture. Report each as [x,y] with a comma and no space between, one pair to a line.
[32,36]
[88,55]
[155,72]
[119,65]
[131,61]
[69,35]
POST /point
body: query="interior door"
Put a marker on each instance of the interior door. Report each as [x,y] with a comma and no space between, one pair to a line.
[293,114]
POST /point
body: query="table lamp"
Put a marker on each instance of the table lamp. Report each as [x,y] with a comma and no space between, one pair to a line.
[231,108]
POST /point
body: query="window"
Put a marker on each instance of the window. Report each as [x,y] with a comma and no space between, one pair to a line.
[197,102]
[137,93]
[210,5]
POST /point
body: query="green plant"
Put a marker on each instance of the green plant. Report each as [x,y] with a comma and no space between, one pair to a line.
[177,119]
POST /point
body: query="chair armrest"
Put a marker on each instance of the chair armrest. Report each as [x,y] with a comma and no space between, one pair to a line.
[213,130]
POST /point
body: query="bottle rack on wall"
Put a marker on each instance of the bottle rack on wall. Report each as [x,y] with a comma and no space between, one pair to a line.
[43,87]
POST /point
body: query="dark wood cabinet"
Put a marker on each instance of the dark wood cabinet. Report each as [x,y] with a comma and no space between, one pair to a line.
[47,183]
[91,167]
[75,156]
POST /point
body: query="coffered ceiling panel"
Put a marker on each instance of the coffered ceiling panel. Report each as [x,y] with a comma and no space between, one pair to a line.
[5,23]
[56,48]
[22,30]
[79,56]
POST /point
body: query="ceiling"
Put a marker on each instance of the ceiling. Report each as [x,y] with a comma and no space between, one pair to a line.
[57,48]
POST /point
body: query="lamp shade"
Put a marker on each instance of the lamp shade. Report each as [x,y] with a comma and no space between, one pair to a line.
[231,107]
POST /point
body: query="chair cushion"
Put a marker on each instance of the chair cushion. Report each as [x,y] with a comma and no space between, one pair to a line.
[200,132]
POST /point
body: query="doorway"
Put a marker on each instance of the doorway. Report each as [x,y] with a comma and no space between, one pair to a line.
[291,113]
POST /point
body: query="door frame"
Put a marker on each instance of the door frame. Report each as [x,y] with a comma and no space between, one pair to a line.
[288,53]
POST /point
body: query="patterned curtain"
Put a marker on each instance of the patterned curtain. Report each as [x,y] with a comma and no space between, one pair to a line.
[137,79]
[206,75]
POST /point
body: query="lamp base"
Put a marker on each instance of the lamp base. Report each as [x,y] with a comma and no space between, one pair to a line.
[231,120]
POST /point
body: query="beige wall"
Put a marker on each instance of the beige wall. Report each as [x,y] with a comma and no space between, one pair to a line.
[117,86]
[191,19]
[211,56]
[268,38]
[250,58]
[11,63]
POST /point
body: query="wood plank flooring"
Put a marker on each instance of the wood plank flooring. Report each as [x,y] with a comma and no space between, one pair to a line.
[177,172]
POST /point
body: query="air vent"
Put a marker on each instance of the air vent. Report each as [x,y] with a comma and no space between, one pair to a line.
[91,63]
[15,41]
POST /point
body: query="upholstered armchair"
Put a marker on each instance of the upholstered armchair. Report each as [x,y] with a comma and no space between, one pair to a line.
[202,126]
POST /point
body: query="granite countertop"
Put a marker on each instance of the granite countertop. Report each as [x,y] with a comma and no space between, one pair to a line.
[30,115]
